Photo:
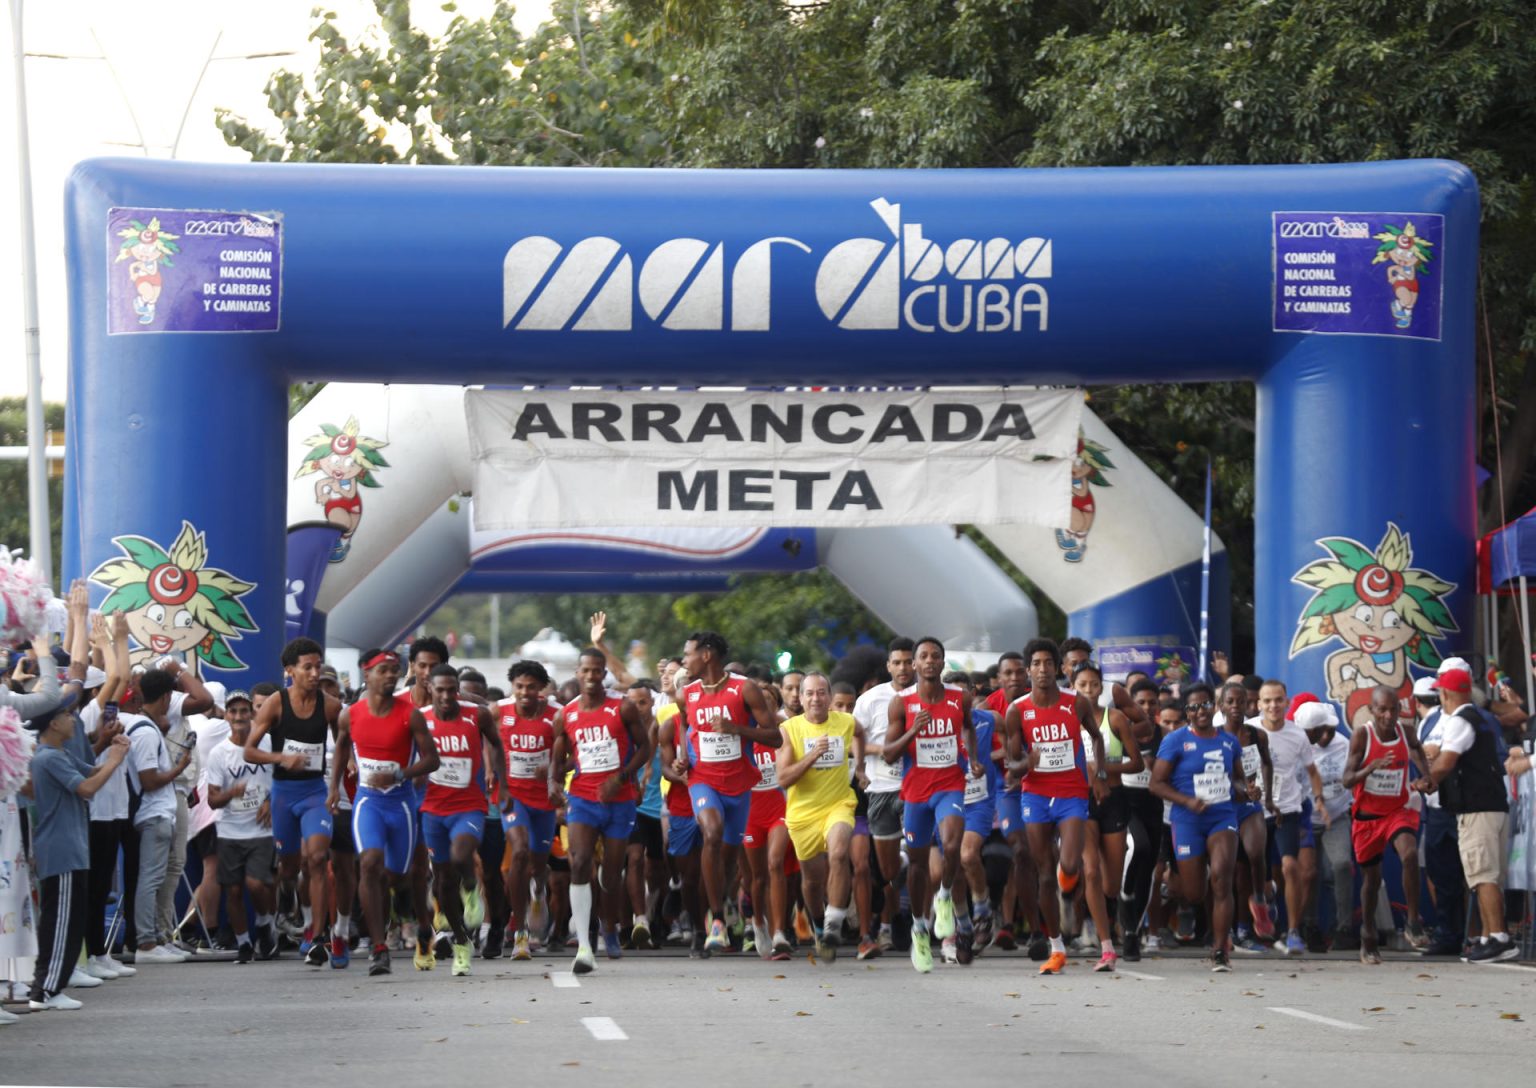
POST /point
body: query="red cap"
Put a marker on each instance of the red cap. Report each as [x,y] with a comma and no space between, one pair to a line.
[1298,700]
[1455,680]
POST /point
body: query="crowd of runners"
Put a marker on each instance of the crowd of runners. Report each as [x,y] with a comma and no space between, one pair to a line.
[891,806]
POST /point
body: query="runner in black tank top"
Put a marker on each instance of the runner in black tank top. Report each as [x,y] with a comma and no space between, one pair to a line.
[293,734]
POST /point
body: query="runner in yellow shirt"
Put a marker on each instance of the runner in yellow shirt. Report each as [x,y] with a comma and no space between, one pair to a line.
[813,771]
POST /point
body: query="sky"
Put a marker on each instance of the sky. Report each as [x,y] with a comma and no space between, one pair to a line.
[113,78]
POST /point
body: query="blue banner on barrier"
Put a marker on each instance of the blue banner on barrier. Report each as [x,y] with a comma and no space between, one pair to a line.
[1163,664]
[1367,273]
[193,271]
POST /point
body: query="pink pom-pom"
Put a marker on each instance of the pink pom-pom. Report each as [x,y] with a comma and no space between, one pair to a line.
[24,599]
[16,746]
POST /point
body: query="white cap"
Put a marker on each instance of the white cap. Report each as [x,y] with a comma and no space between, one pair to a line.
[1316,715]
[1424,688]
[216,689]
[94,678]
[1454,663]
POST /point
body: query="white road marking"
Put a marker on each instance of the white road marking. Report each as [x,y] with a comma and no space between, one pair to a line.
[1301,1014]
[603,1027]
[1508,966]
[1138,974]
[564,980]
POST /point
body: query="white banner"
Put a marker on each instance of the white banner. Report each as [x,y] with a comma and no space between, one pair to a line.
[546,459]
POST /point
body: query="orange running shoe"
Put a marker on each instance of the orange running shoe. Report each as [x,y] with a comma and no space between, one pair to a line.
[1054,963]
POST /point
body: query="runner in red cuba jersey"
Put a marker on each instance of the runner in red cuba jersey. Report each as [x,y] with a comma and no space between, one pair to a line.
[526,725]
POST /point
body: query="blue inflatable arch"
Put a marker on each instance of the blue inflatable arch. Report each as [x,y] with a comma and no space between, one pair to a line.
[1345,292]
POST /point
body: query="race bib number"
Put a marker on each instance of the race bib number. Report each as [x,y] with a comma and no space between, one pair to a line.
[975,790]
[1213,787]
[527,764]
[455,772]
[1252,764]
[314,754]
[1332,790]
[718,747]
[1055,757]
[249,801]
[768,776]
[935,751]
[1385,783]
[832,757]
[881,771]
[1139,781]
[367,768]
[598,756]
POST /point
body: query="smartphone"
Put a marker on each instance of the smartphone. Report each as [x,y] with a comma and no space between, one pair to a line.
[109,714]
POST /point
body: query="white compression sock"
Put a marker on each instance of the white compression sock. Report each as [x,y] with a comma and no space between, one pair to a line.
[581,913]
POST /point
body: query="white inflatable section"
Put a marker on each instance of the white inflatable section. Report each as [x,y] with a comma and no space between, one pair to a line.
[416,574]
[1141,531]
[426,444]
[926,580]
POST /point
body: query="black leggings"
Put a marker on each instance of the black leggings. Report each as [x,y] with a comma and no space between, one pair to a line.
[106,840]
[1141,846]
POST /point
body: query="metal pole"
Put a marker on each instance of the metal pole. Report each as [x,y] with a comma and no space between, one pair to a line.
[39,523]
[1525,638]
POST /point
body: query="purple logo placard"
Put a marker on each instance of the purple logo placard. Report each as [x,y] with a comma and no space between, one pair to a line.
[1359,273]
[193,271]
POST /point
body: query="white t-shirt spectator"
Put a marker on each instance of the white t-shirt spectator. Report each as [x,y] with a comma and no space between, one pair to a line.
[1330,767]
[1290,753]
[1433,739]
[111,801]
[176,736]
[227,767]
[872,711]
[210,731]
[149,752]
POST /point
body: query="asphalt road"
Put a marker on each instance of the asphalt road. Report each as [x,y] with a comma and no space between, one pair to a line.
[661,1019]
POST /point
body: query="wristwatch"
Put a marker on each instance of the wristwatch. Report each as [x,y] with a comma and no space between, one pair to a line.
[1102,776]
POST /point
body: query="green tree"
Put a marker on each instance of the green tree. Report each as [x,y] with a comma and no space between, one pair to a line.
[14,531]
[989,83]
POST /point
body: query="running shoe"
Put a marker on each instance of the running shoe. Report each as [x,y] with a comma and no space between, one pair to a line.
[59,1002]
[98,969]
[1220,965]
[640,934]
[1131,948]
[781,949]
[965,948]
[461,958]
[1294,945]
[378,960]
[341,953]
[1004,938]
[266,944]
[246,953]
[943,917]
[762,943]
[424,959]
[1107,962]
[611,947]
[520,950]
[677,935]
[982,921]
[495,940]
[869,949]
[1369,956]
[1039,948]
[316,955]
[1263,923]
[922,952]
[828,943]
[886,940]
[718,939]
[1250,946]
[949,950]
[1153,943]
[474,909]
[1054,963]
[698,948]
[1493,950]
[442,947]
[584,963]
[1418,940]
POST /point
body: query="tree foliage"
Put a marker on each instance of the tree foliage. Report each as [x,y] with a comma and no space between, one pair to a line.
[986,83]
[14,532]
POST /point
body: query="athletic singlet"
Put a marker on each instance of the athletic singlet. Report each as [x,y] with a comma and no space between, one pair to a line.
[1114,751]
[599,740]
[1061,770]
[990,784]
[935,758]
[382,745]
[527,743]
[767,770]
[1202,766]
[458,784]
[305,736]
[679,804]
[997,703]
[1385,791]
[721,761]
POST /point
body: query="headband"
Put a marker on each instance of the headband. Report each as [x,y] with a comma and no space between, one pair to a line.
[379,658]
